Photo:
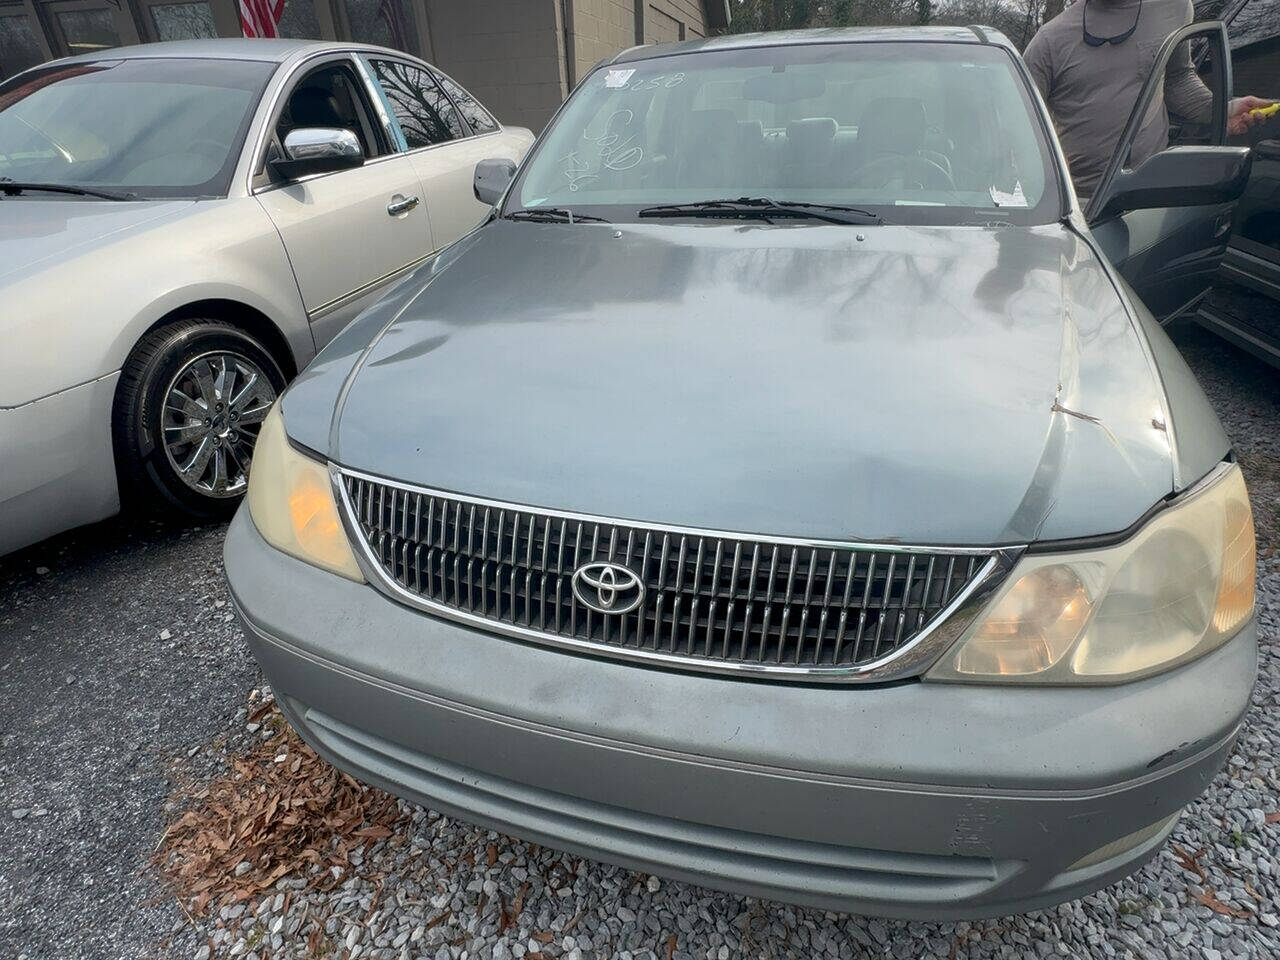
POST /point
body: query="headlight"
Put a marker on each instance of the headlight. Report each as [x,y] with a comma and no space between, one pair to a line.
[291,502]
[1176,589]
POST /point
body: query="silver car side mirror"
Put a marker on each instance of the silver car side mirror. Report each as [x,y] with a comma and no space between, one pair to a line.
[310,150]
[492,179]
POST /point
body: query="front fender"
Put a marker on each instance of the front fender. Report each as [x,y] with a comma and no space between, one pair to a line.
[77,318]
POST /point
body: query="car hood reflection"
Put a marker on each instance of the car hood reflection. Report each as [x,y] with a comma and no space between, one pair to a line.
[926,385]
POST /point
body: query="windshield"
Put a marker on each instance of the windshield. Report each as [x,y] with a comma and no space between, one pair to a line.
[154,128]
[913,132]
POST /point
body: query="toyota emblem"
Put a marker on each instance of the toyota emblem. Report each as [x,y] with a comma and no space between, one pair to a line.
[607,587]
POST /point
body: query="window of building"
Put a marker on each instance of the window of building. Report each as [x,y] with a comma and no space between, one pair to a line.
[19,48]
[299,21]
[480,119]
[423,112]
[387,23]
[88,30]
[183,21]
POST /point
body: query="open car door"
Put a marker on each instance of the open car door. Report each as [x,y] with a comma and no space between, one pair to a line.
[1165,223]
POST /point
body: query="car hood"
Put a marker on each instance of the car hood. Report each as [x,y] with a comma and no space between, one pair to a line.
[35,230]
[961,385]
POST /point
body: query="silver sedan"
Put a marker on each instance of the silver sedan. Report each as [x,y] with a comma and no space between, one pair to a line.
[182,226]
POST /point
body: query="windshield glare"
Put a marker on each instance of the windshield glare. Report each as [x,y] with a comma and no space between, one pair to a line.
[917,132]
[155,128]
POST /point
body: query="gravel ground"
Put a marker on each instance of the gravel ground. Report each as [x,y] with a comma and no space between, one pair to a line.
[123,678]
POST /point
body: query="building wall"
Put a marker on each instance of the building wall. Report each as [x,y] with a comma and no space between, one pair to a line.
[601,28]
[509,53]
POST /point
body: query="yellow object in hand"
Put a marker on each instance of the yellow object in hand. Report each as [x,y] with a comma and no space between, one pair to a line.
[1266,111]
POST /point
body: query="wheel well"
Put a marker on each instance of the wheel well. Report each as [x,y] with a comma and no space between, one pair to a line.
[245,317]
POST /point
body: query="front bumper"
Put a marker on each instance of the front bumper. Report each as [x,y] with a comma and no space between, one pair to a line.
[913,800]
[57,469]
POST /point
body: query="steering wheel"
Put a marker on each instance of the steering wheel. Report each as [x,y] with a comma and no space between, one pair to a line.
[881,170]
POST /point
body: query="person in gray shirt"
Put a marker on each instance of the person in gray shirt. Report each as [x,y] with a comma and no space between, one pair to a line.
[1090,63]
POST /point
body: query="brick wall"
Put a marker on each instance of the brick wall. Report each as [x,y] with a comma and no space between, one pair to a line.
[509,53]
[601,28]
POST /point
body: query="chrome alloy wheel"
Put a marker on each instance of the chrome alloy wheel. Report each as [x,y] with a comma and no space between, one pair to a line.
[213,410]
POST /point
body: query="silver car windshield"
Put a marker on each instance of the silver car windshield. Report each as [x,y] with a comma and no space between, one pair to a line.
[150,128]
[914,132]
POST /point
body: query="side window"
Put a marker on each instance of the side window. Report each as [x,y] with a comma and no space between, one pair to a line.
[420,107]
[330,96]
[480,119]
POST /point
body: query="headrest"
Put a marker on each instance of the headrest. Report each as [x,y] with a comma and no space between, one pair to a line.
[718,125]
[812,133]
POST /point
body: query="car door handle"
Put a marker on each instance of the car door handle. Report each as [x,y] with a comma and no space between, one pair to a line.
[399,205]
[1267,149]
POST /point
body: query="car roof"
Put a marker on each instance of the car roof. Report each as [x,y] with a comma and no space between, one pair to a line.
[225,48]
[782,38]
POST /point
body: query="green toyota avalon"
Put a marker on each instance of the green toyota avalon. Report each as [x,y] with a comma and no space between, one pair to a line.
[783,490]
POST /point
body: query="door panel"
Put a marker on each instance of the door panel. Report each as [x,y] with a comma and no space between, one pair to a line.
[350,233]
[441,147]
[344,245]
[1171,255]
[448,172]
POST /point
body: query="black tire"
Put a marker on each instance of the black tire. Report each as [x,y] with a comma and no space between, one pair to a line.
[149,472]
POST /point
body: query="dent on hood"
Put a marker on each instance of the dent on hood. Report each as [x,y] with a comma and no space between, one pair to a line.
[1108,409]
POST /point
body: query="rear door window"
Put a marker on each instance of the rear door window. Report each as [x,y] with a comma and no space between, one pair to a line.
[480,119]
[421,110]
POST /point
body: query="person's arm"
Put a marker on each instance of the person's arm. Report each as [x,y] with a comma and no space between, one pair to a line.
[1039,60]
[1188,97]
[1184,91]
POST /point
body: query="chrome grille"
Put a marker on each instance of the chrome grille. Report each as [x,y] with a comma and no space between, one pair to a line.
[710,600]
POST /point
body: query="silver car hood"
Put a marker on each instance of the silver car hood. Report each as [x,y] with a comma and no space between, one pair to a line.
[962,385]
[42,227]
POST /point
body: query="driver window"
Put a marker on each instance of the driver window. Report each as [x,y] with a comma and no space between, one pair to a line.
[1191,83]
[330,96]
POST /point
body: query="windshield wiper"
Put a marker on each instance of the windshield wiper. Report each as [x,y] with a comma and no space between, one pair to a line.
[11,187]
[554,215]
[765,208]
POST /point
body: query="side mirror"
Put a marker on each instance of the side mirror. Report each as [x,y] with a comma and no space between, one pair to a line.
[492,179]
[1180,177]
[309,150]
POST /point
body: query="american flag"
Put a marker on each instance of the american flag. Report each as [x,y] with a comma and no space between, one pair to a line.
[260,18]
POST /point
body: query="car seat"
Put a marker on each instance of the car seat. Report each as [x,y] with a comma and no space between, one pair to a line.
[709,155]
[895,127]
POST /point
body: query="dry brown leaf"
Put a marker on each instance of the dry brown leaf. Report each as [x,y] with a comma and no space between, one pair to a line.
[1190,862]
[491,854]
[543,936]
[1210,900]
[671,946]
[280,817]
[1273,817]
